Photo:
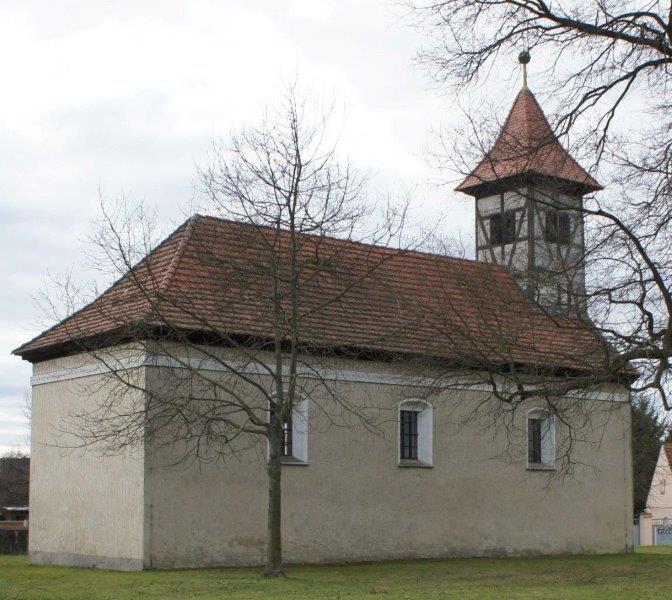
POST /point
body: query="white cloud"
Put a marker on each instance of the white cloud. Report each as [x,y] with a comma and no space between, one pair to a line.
[312,9]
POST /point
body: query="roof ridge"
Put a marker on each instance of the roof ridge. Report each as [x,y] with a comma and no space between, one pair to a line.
[107,290]
[503,131]
[528,141]
[534,110]
[446,257]
[179,252]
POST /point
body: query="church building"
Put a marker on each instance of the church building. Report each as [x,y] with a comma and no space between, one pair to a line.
[448,470]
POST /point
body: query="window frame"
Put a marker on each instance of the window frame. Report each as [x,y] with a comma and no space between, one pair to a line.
[506,223]
[548,447]
[408,434]
[425,433]
[534,453]
[557,226]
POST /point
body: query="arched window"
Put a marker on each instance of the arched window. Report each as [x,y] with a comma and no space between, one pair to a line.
[416,427]
[295,434]
[540,439]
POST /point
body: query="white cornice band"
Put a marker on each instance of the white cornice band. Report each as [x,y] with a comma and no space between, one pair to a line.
[257,368]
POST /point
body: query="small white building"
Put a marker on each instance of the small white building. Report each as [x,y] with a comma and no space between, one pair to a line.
[659,501]
[655,524]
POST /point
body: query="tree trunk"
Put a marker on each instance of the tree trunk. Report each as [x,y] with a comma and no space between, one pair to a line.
[274,549]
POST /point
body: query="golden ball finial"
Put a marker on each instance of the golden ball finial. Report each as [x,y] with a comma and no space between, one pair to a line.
[523,59]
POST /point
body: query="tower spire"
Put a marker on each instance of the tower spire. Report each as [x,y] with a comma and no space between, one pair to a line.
[523,59]
[528,192]
[526,149]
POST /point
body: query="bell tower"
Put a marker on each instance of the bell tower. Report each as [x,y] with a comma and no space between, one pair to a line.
[529,193]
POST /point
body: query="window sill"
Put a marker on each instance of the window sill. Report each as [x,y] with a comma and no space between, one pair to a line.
[540,467]
[414,464]
[292,462]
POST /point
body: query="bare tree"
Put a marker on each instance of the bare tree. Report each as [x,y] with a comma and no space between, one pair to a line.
[601,57]
[239,352]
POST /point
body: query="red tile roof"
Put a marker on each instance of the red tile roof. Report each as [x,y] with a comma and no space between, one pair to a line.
[667,446]
[527,146]
[205,277]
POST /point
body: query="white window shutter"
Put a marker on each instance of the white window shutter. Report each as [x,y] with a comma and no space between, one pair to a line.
[547,441]
[300,430]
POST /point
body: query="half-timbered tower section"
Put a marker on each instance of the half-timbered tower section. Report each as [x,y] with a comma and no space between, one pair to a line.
[529,198]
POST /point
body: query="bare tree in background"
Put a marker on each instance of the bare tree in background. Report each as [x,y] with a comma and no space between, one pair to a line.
[247,343]
[602,57]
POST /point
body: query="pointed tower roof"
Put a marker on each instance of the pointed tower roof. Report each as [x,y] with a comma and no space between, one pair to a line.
[527,148]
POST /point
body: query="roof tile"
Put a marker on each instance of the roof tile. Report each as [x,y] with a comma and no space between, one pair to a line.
[210,276]
[527,145]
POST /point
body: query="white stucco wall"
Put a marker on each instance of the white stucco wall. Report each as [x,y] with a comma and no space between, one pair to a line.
[85,509]
[352,501]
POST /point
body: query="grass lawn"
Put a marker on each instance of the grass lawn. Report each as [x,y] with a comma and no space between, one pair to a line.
[646,574]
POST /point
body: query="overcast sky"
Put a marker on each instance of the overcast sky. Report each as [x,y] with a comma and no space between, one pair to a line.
[126,97]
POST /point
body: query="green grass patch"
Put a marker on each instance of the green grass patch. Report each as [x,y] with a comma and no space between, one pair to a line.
[646,574]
